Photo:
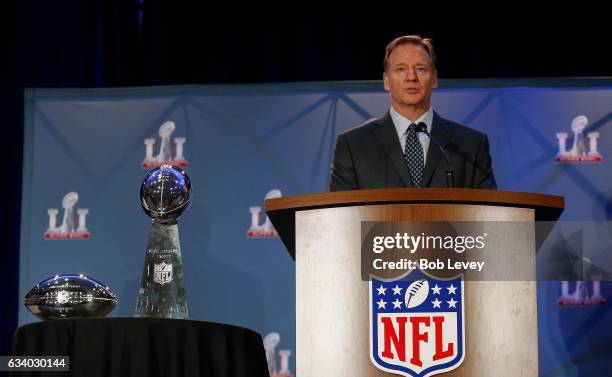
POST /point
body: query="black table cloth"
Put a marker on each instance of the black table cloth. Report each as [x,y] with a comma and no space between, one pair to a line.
[143,347]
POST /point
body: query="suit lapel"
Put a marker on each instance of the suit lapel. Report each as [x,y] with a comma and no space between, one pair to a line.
[441,130]
[387,136]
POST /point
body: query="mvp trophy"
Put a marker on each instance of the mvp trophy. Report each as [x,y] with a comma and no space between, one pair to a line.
[165,193]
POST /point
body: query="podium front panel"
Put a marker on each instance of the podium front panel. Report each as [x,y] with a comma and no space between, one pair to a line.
[332,300]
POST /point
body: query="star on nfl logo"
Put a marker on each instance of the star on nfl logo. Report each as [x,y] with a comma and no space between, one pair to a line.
[417,324]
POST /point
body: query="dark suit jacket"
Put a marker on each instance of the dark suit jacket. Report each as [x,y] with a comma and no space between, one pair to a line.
[371,156]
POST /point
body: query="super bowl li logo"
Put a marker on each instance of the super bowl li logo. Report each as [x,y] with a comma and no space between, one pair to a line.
[165,157]
[265,229]
[67,229]
[583,150]
[276,369]
[582,295]
[417,324]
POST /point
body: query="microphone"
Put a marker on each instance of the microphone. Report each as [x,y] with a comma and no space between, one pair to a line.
[450,181]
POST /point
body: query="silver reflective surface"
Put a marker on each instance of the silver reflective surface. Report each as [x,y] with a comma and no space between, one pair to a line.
[165,193]
[70,296]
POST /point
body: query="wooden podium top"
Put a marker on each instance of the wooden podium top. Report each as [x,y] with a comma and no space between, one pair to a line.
[281,211]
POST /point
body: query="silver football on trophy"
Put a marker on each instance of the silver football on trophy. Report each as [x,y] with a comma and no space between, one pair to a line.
[165,193]
[70,296]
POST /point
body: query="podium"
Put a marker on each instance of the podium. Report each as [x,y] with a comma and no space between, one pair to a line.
[322,233]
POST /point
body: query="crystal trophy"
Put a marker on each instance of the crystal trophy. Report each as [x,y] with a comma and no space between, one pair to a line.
[164,195]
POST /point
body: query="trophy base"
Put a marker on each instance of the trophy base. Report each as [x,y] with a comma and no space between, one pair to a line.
[162,286]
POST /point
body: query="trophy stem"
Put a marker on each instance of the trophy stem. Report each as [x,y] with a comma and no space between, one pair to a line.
[162,287]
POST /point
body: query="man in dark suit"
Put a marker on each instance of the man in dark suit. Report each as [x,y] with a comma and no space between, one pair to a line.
[393,150]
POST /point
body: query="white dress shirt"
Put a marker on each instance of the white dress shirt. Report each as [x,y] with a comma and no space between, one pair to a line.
[401,126]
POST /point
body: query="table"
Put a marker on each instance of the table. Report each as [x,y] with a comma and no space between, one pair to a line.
[143,347]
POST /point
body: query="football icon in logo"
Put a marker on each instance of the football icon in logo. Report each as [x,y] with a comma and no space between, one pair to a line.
[416,293]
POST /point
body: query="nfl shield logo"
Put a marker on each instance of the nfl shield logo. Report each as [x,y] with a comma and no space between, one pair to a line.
[162,273]
[416,324]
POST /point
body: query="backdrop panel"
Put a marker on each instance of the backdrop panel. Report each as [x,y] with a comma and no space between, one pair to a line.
[241,142]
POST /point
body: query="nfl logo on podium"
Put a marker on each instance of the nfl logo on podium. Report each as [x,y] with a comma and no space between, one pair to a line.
[417,324]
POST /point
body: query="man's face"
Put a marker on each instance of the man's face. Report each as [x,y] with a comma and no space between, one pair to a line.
[410,77]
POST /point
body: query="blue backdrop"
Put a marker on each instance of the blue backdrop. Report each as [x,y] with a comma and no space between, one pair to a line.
[240,142]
